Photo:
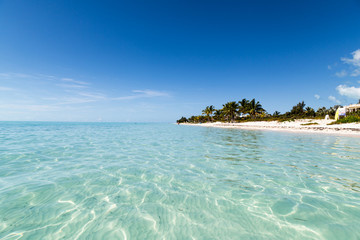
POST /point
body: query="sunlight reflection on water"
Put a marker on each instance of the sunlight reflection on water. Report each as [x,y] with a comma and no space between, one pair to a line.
[153,181]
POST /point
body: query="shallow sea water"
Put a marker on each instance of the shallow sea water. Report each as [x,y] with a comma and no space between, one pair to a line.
[163,181]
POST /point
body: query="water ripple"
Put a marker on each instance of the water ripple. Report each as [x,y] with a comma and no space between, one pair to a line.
[162,181]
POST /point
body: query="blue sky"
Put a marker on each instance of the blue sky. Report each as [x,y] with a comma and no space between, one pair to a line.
[160,60]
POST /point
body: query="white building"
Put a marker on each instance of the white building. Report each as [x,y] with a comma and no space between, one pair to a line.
[347,109]
[353,107]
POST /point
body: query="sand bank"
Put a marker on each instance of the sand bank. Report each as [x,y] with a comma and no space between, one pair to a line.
[319,126]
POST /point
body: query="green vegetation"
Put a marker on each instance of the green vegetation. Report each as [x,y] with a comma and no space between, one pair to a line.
[353,117]
[252,110]
[182,120]
[349,119]
[307,124]
[230,110]
[208,111]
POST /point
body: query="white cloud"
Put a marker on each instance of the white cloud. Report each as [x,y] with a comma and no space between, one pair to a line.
[75,100]
[356,73]
[92,95]
[29,107]
[40,96]
[354,62]
[151,93]
[15,75]
[74,81]
[71,83]
[39,76]
[71,86]
[317,96]
[143,94]
[6,89]
[341,74]
[333,99]
[351,92]
[76,97]
[45,76]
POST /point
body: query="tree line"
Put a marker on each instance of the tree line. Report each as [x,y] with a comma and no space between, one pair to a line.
[252,110]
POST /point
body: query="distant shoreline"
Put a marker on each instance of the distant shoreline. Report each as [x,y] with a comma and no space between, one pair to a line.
[319,126]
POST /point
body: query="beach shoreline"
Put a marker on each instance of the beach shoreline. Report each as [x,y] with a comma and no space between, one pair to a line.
[318,126]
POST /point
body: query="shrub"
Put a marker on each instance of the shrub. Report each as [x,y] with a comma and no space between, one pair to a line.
[348,119]
[306,124]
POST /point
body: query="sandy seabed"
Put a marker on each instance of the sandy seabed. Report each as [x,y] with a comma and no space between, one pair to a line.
[319,126]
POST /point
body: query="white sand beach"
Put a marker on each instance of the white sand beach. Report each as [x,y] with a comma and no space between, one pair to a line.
[301,125]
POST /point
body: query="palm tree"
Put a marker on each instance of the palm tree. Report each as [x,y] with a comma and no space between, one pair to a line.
[298,109]
[255,108]
[244,106]
[218,114]
[230,109]
[321,111]
[208,111]
[182,120]
[276,113]
[309,111]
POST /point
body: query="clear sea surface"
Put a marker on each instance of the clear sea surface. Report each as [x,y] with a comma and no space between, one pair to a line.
[164,181]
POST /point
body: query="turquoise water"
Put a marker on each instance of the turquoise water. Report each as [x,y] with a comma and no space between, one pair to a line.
[163,181]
